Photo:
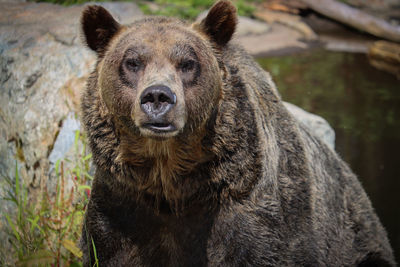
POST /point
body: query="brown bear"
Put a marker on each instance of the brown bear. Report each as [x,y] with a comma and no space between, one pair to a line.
[198,163]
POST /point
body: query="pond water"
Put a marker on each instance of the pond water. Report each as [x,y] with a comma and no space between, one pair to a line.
[362,104]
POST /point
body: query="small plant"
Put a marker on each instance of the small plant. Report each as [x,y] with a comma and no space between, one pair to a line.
[46,232]
[96,260]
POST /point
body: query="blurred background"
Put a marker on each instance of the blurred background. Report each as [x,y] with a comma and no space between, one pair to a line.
[338,59]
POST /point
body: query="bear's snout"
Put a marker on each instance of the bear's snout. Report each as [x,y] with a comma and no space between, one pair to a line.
[156,101]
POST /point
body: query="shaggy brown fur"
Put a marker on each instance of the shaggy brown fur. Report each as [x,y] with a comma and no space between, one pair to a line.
[226,177]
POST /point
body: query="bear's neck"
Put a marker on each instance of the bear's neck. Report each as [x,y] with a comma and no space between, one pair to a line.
[161,170]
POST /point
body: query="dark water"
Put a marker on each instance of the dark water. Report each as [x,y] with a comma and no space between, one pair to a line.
[362,104]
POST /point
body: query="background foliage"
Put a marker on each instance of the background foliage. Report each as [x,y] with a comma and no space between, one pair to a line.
[186,9]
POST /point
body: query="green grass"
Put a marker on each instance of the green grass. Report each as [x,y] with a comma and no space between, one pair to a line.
[68,2]
[185,9]
[190,9]
[46,231]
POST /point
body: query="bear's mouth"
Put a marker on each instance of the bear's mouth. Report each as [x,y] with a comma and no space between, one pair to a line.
[159,127]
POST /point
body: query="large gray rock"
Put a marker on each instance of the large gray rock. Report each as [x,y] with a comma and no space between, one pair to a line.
[65,139]
[316,124]
[43,68]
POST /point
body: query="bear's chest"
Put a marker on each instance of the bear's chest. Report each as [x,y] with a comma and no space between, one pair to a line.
[203,239]
[163,240]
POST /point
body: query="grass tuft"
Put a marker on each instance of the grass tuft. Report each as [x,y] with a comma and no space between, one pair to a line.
[47,232]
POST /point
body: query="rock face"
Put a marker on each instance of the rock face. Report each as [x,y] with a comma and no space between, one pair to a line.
[318,125]
[44,67]
[65,138]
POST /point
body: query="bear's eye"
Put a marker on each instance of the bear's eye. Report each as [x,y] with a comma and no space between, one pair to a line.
[187,65]
[133,65]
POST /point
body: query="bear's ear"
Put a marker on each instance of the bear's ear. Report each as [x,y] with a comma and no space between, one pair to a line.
[220,22]
[98,27]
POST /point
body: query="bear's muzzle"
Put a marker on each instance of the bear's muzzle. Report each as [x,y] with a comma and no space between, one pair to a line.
[156,101]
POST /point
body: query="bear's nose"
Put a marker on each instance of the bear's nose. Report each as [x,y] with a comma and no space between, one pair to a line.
[157,100]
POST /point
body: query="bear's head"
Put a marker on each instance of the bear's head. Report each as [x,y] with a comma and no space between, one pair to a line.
[159,77]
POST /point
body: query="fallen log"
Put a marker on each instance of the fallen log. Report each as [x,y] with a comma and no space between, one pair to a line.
[355,18]
[287,6]
[385,56]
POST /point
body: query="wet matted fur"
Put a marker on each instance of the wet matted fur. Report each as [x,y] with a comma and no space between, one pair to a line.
[237,182]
